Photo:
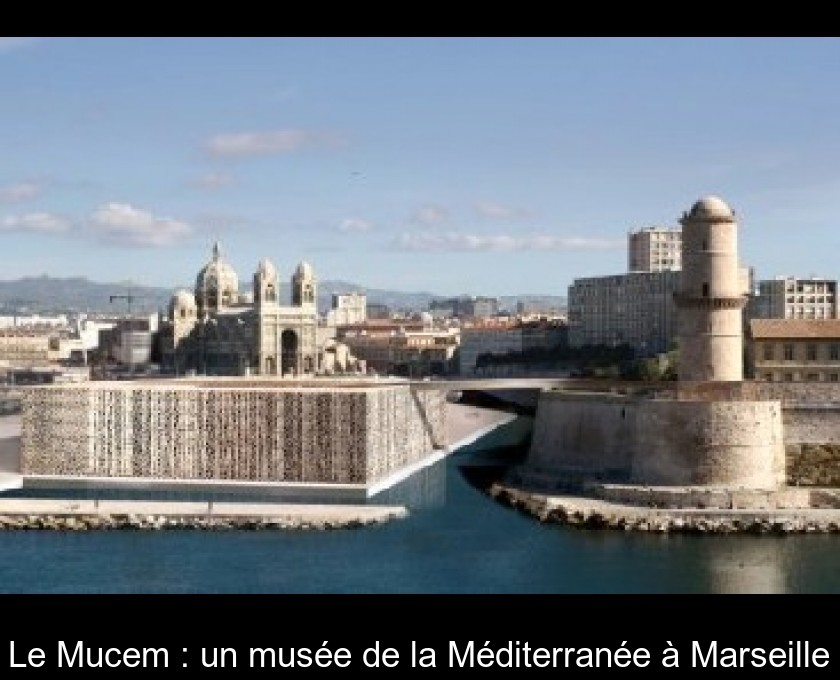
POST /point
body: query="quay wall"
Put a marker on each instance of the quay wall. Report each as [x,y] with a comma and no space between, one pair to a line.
[249,432]
[586,435]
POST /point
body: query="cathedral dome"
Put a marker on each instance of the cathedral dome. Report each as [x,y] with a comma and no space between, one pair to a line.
[217,276]
[183,298]
[711,207]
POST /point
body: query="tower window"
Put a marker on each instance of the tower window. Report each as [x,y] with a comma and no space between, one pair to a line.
[705,290]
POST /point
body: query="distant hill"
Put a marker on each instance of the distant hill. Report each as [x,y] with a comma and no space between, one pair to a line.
[49,295]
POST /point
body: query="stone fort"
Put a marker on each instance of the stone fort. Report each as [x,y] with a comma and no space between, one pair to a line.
[712,430]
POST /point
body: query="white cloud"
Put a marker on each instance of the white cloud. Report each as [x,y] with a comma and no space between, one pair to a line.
[212,181]
[43,223]
[354,225]
[497,211]
[243,144]
[20,191]
[456,241]
[430,214]
[124,224]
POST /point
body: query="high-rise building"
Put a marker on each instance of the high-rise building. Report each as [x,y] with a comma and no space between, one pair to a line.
[654,249]
[347,309]
[507,339]
[789,297]
[635,309]
[464,308]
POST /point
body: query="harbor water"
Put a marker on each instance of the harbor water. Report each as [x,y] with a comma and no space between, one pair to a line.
[455,539]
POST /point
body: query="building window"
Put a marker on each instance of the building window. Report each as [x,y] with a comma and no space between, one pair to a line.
[705,290]
[788,377]
[813,377]
[788,352]
[811,351]
[834,351]
[768,351]
[832,377]
[768,377]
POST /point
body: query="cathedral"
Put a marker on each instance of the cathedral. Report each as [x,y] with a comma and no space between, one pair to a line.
[216,330]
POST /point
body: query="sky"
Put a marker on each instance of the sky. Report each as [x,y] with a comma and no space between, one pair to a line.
[482,166]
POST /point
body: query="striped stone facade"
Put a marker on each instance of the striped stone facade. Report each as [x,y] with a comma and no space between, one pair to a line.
[227,431]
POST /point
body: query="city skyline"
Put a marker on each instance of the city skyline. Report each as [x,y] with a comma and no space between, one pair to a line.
[451,165]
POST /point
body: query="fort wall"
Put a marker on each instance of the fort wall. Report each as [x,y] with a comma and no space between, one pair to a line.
[658,442]
[737,443]
[584,435]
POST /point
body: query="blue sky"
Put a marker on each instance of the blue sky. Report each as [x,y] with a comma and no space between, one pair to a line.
[451,165]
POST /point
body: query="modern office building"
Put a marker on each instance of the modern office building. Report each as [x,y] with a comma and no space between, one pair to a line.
[347,308]
[654,249]
[512,338]
[464,308]
[635,309]
[789,297]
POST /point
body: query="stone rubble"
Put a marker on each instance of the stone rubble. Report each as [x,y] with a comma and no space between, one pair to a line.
[100,522]
[586,513]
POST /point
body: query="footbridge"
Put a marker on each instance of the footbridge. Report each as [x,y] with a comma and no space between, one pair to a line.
[481,384]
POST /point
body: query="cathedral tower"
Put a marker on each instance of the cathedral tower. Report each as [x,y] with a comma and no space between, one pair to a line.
[303,286]
[265,283]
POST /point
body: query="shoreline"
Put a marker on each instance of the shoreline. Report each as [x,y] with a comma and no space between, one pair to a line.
[592,513]
[87,515]
[465,425]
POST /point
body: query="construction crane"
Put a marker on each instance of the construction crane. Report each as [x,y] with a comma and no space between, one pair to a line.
[129,298]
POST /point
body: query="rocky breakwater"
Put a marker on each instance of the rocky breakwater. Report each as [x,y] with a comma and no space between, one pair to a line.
[592,513]
[41,514]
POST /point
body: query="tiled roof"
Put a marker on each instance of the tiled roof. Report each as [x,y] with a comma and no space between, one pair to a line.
[792,329]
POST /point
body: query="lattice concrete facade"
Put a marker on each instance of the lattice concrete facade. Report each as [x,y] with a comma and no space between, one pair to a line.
[238,430]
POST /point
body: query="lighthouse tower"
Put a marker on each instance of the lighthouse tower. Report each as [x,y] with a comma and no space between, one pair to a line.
[711,298]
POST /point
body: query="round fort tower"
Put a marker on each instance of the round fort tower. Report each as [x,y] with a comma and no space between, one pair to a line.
[710,298]
[700,436]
